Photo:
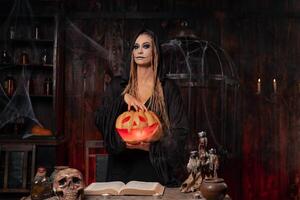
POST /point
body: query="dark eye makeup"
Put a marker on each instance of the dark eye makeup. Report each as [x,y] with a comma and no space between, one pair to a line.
[136,46]
[146,46]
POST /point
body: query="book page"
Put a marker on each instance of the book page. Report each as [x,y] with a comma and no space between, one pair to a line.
[142,188]
[99,188]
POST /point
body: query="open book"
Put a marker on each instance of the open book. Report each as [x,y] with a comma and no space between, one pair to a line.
[119,188]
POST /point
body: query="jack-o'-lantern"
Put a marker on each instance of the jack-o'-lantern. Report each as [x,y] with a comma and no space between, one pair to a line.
[138,126]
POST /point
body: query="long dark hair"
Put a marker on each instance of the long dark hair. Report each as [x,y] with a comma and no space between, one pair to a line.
[157,103]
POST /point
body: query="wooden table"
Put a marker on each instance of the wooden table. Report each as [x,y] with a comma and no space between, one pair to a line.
[169,194]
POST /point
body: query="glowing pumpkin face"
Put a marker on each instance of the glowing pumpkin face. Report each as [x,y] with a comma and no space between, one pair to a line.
[138,126]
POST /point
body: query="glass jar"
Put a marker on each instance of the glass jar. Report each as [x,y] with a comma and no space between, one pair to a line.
[30,86]
[9,85]
[48,87]
[12,32]
[24,59]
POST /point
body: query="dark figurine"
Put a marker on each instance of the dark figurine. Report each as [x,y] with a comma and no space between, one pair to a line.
[213,162]
[202,141]
[193,182]
[194,163]
[203,155]
[203,178]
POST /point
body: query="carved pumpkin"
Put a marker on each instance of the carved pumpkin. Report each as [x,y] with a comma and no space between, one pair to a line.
[138,126]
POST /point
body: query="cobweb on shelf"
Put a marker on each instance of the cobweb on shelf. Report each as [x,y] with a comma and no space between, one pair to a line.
[17,114]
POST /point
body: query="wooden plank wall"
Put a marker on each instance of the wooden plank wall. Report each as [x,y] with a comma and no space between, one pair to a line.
[263,39]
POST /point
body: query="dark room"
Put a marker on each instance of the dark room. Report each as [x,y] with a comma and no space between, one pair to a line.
[149,99]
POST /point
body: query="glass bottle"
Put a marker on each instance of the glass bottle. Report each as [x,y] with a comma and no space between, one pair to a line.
[5,57]
[48,88]
[30,87]
[19,125]
[24,59]
[12,32]
[41,187]
[36,33]
[9,85]
[44,57]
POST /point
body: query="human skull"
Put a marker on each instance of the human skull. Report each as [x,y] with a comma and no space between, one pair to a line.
[68,184]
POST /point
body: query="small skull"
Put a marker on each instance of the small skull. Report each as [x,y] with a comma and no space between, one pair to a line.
[68,184]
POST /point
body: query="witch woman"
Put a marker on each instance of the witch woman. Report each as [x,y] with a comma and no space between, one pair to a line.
[145,89]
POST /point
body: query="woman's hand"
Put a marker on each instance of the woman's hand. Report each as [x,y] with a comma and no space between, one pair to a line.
[145,146]
[132,101]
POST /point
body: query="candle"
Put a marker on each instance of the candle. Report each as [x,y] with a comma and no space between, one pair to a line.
[274,85]
[258,86]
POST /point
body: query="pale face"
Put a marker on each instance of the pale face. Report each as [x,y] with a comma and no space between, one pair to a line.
[142,50]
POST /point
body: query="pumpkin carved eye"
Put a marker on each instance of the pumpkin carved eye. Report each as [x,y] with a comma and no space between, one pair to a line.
[126,119]
[142,119]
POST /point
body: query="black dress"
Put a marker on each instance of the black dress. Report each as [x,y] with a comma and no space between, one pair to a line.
[166,158]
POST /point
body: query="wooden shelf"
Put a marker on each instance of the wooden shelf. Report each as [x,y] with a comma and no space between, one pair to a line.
[182,14]
[27,66]
[30,41]
[41,97]
[13,190]
[38,140]
[137,15]
[27,41]
[47,109]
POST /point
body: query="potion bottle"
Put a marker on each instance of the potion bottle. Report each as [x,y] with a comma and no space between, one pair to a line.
[30,86]
[24,59]
[44,57]
[9,85]
[5,59]
[36,32]
[41,186]
[12,32]
[48,87]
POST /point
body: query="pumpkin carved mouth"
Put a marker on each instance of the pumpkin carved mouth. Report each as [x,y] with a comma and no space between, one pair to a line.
[138,126]
[138,134]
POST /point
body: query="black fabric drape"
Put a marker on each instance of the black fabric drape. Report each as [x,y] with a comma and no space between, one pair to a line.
[166,156]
